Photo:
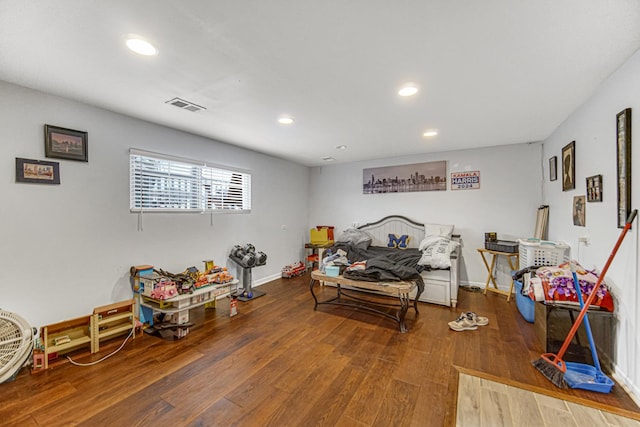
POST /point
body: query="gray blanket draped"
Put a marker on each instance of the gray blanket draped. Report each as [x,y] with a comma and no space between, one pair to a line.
[384,264]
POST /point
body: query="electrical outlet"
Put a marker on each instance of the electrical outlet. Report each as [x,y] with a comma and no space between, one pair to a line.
[584,239]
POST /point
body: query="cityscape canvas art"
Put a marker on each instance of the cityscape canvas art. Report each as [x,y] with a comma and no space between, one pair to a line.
[429,176]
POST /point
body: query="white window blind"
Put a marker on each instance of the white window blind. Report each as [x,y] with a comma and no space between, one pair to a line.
[161,183]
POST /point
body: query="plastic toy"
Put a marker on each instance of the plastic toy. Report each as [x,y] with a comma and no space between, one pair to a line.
[185,287]
[293,270]
[216,275]
[222,276]
[165,289]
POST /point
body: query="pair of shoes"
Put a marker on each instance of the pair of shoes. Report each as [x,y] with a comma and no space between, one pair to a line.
[479,320]
[468,322]
[463,323]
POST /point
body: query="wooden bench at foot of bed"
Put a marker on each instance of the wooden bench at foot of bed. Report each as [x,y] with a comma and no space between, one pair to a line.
[399,290]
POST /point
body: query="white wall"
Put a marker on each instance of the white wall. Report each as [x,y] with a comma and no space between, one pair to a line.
[66,249]
[506,202]
[593,128]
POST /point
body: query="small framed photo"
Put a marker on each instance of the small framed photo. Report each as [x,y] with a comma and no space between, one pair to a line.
[579,217]
[37,171]
[569,166]
[553,168]
[62,143]
[594,188]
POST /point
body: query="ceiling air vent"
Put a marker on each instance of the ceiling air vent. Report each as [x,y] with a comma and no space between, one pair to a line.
[185,105]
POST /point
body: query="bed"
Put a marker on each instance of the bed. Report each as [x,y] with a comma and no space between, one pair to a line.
[440,284]
[394,257]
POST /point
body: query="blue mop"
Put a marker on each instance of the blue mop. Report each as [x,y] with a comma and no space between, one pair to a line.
[581,375]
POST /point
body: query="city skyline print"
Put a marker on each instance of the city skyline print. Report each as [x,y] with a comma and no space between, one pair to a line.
[429,176]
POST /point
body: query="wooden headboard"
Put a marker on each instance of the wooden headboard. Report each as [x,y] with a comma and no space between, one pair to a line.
[394,224]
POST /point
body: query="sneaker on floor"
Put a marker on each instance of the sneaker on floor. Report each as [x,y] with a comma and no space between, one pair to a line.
[463,323]
[478,320]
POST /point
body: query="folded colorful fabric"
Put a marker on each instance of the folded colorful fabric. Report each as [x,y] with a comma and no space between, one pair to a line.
[558,285]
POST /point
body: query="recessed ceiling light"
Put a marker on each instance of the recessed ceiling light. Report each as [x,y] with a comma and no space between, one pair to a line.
[341,147]
[140,46]
[430,132]
[285,120]
[328,159]
[408,89]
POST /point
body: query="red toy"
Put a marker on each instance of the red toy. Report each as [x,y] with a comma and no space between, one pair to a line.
[293,270]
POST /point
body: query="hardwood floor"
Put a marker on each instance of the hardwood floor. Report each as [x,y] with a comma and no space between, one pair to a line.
[280,363]
[483,402]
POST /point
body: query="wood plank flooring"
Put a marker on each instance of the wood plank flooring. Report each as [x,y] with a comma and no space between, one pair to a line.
[280,363]
[486,403]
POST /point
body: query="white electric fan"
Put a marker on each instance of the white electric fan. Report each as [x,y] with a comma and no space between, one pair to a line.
[16,344]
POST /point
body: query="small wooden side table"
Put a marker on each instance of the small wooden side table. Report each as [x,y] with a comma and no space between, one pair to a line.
[316,250]
[512,258]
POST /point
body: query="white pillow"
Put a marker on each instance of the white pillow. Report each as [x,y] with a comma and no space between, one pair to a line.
[428,241]
[436,251]
[443,230]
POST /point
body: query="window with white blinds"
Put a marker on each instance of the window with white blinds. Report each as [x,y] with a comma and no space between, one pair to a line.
[161,183]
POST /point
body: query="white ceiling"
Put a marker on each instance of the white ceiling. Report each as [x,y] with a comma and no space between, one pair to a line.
[490,72]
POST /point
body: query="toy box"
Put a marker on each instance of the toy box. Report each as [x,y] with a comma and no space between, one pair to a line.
[329,229]
[321,235]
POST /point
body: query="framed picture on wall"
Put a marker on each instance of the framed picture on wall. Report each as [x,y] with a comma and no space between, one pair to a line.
[594,188]
[428,176]
[64,143]
[37,171]
[569,166]
[579,217]
[623,156]
[553,168]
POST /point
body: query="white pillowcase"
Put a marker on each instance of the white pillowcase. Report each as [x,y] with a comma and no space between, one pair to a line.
[443,230]
[436,251]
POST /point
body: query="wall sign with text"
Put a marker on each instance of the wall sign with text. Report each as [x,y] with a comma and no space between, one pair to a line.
[469,180]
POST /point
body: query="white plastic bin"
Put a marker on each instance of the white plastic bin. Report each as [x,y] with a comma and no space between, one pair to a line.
[542,252]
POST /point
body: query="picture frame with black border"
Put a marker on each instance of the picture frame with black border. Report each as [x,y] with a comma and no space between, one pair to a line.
[37,171]
[623,165]
[553,168]
[63,143]
[594,188]
[578,211]
[569,166]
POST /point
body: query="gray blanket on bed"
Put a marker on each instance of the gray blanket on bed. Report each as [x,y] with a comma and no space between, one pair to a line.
[384,264]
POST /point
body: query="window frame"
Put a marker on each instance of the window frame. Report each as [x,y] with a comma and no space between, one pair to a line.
[181,185]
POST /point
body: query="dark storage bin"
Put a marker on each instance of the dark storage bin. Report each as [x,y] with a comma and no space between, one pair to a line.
[552,324]
[502,246]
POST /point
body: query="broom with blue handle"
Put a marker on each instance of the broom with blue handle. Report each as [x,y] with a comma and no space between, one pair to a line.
[587,325]
[551,365]
[579,375]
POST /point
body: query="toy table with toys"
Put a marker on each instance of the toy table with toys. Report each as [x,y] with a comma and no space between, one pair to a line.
[176,309]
